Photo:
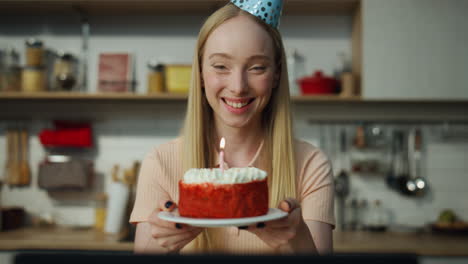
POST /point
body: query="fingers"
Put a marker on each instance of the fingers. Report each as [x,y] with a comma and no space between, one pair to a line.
[158,231]
[168,206]
[289,204]
[171,243]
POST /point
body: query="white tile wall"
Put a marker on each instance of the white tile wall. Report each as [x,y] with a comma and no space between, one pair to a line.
[446,169]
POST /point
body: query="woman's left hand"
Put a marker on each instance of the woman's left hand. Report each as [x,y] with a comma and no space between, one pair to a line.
[283,234]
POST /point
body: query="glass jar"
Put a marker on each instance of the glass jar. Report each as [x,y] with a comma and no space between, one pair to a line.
[33,79]
[377,218]
[65,72]
[155,77]
[34,52]
[10,71]
[100,212]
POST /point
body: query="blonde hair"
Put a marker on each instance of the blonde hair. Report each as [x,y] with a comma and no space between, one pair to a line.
[198,129]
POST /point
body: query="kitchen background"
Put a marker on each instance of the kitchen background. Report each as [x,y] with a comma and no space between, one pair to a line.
[407,70]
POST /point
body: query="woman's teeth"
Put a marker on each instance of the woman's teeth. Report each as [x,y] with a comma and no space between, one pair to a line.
[236,105]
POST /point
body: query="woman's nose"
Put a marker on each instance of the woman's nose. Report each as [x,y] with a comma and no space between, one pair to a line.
[239,83]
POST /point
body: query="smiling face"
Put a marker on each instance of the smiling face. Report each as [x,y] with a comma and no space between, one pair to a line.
[238,71]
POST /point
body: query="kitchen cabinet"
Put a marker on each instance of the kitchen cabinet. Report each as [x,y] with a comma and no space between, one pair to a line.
[415,49]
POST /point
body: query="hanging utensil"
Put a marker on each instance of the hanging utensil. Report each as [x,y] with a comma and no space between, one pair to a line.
[342,182]
[420,181]
[8,164]
[24,169]
[409,188]
[391,177]
[14,173]
[402,166]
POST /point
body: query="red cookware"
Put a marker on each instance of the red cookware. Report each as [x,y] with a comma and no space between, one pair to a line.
[317,84]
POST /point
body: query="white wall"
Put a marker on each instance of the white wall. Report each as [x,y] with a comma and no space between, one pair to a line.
[415,49]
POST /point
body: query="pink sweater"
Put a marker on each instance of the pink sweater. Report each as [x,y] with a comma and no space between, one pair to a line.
[162,169]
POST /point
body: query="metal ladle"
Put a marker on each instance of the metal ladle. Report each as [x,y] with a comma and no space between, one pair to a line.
[409,186]
[421,183]
[415,185]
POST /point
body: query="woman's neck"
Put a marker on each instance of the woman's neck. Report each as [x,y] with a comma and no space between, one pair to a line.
[241,143]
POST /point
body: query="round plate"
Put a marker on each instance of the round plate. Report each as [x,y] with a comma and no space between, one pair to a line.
[273,214]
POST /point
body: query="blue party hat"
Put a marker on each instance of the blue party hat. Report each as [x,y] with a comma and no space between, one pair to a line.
[267,10]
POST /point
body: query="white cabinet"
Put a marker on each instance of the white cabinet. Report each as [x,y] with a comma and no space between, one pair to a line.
[415,49]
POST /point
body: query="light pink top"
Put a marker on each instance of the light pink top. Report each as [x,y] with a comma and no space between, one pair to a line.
[162,169]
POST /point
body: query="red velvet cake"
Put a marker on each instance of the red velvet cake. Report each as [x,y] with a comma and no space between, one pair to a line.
[236,193]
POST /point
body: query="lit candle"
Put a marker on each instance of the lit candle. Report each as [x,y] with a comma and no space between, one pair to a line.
[221,154]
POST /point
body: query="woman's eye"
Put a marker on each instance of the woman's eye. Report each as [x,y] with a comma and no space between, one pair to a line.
[258,68]
[219,67]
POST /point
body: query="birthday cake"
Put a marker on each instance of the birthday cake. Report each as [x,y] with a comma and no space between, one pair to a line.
[236,193]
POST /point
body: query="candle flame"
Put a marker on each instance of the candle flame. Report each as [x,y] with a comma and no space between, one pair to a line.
[222,143]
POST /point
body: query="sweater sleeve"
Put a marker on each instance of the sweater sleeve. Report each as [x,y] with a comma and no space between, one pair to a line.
[316,186]
[150,193]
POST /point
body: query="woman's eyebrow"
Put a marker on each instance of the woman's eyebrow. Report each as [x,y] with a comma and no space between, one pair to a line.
[227,56]
[262,57]
[224,55]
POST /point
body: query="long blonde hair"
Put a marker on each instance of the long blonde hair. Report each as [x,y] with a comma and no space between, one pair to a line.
[198,129]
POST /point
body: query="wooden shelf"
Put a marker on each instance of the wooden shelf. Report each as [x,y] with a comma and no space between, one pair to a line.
[37,106]
[47,96]
[161,7]
[44,96]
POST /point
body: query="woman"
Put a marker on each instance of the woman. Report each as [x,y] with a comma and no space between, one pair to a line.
[240,92]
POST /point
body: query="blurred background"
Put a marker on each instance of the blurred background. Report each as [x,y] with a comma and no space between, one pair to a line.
[88,88]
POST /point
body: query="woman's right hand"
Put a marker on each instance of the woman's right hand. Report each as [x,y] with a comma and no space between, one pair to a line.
[170,236]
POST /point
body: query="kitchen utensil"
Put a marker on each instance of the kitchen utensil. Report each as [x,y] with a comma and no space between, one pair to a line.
[65,173]
[409,187]
[14,175]
[24,169]
[342,182]
[391,177]
[174,216]
[318,83]
[419,180]
[402,164]
[8,149]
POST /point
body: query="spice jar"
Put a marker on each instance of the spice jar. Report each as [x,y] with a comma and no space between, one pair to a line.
[378,218]
[65,72]
[155,77]
[10,71]
[33,79]
[34,52]
[100,212]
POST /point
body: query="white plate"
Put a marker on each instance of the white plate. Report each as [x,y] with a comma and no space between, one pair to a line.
[273,213]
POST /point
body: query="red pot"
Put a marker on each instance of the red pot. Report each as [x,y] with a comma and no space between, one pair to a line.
[317,84]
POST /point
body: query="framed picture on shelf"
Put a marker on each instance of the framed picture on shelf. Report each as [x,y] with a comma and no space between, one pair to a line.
[115,72]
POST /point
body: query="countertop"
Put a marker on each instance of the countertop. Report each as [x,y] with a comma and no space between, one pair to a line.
[61,238]
[425,244]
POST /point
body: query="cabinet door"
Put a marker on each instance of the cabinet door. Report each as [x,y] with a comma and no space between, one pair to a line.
[415,49]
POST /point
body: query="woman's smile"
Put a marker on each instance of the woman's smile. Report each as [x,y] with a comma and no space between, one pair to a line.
[237,105]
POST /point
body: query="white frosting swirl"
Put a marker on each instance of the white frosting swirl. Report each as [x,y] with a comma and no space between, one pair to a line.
[230,176]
